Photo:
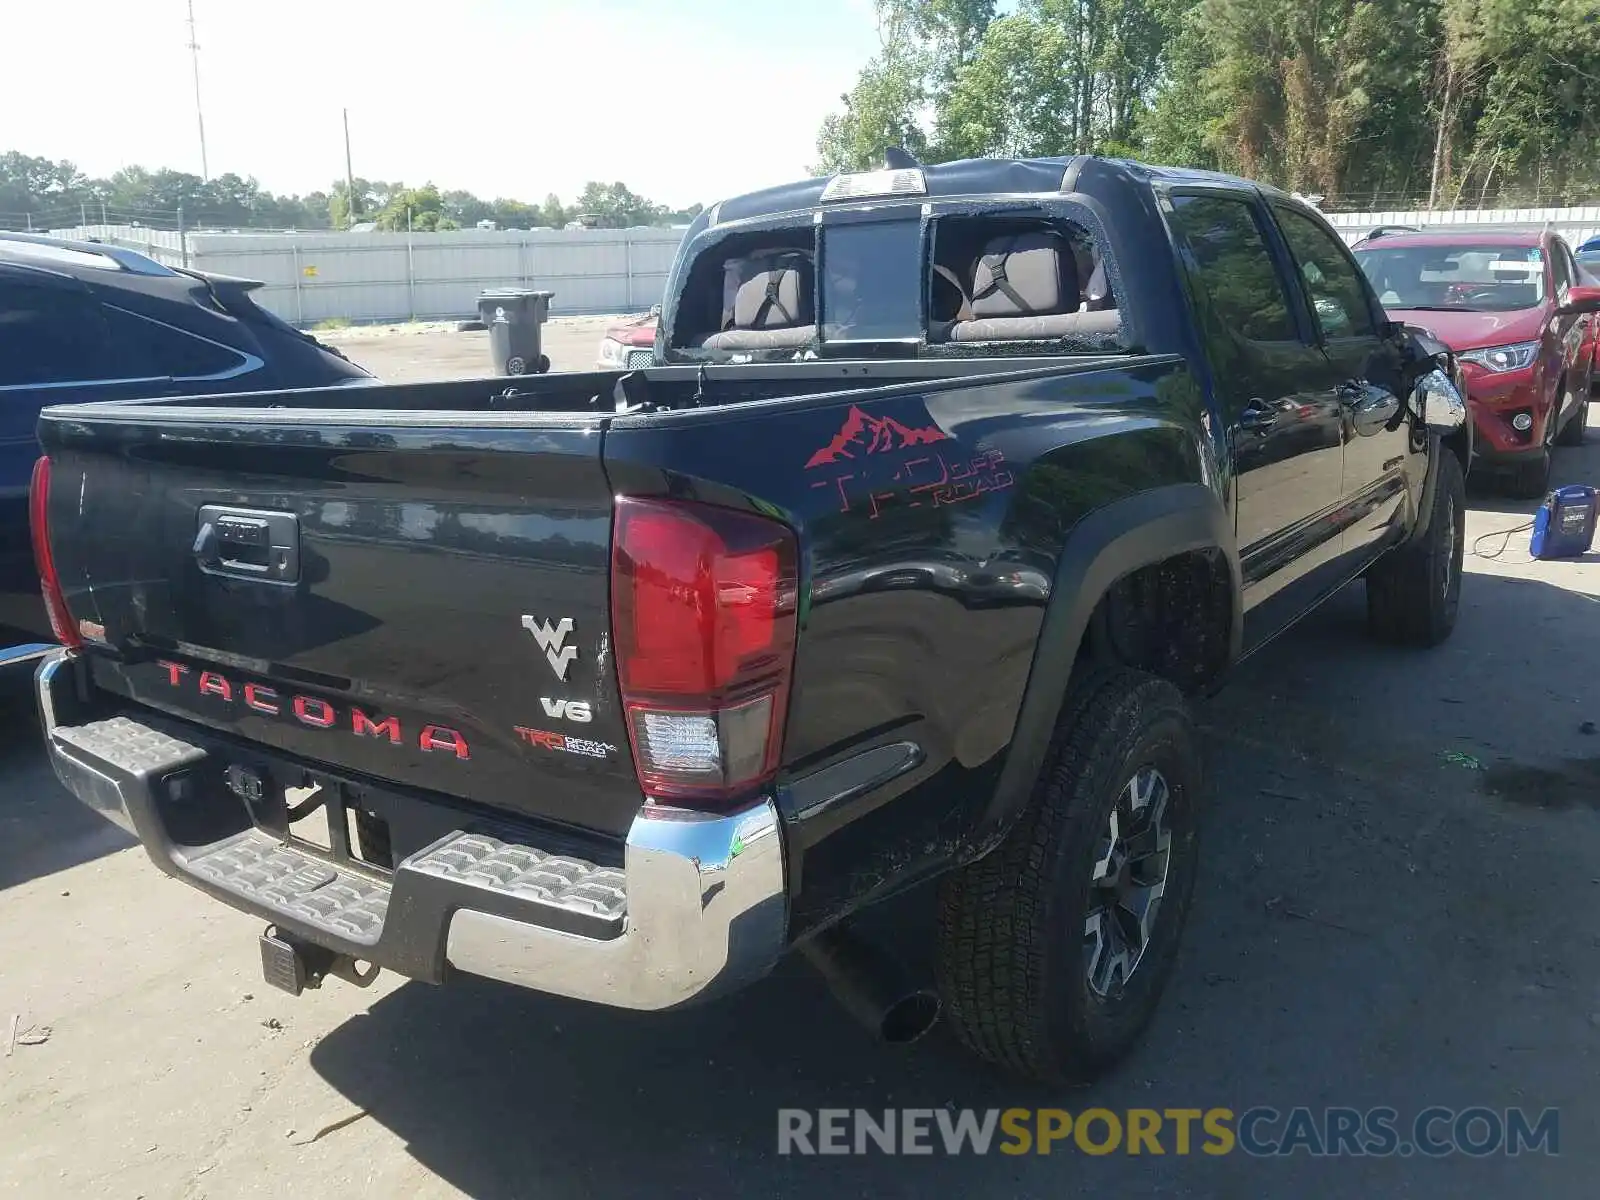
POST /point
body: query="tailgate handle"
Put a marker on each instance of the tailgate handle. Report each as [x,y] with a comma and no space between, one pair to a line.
[248,543]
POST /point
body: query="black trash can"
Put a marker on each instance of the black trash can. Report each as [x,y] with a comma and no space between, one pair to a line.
[515,319]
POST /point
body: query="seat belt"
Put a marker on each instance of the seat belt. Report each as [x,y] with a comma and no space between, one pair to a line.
[999,283]
[771,301]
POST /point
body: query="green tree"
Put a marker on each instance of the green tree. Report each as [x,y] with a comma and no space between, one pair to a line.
[1179,125]
[48,192]
[1014,97]
[1516,101]
[885,108]
[682,216]
[949,31]
[514,214]
[553,214]
[465,209]
[1054,76]
[420,210]
[614,206]
[369,199]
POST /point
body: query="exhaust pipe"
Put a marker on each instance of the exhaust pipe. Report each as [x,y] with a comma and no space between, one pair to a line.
[872,985]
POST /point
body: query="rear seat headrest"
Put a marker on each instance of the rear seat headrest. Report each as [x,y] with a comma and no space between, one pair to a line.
[769,291]
[1025,275]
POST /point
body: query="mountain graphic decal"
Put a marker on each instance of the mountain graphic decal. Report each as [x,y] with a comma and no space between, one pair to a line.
[862,432]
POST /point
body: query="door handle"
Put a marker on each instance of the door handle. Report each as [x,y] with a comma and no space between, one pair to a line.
[1258,416]
[245,543]
[1371,408]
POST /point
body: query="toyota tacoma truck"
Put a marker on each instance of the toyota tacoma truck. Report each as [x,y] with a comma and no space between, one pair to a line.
[950,488]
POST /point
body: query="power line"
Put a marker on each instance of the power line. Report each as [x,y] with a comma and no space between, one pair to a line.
[199,117]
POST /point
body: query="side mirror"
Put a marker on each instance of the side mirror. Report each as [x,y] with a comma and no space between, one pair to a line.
[1581,298]
[1439,402]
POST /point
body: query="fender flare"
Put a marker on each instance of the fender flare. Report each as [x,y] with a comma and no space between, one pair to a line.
[1105,546]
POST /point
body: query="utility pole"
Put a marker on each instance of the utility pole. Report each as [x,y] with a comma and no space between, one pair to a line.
[194,58]
[349,177]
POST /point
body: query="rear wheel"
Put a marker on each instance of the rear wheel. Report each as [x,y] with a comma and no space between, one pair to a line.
[1054,949]
[1414,592]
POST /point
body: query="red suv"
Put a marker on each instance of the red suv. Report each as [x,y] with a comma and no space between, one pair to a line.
[1517,312]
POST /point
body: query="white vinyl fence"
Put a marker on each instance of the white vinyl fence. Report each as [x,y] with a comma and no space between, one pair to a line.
[367,277]
[1575,224]
[370,277]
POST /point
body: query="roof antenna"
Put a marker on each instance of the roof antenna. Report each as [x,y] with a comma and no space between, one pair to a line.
[898,158]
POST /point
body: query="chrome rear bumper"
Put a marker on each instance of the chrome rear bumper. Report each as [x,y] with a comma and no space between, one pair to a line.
[697,908]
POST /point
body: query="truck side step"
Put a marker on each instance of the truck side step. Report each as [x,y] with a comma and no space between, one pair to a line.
[329,913]
[257,867]
[477,860]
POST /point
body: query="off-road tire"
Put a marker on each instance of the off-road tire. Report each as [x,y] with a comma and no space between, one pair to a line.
[1414,592]
[1011,925]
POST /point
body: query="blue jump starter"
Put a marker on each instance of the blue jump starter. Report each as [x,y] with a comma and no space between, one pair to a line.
[1564,525]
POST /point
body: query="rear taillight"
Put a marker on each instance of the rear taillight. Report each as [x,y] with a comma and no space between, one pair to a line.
[55,604]
[703,616]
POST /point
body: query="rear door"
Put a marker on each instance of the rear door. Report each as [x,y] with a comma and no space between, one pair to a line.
[1359,368]
[1285,422]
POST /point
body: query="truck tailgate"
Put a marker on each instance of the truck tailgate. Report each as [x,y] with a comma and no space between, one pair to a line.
[418,602]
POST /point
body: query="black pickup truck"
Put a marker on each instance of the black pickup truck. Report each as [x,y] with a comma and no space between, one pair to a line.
[952,485]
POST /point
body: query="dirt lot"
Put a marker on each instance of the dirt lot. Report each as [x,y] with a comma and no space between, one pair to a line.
[1380,921]
[416,353]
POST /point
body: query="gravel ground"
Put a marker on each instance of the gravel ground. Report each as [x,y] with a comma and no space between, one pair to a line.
[1399,852]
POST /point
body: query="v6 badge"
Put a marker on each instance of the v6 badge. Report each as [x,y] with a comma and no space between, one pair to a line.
[567,710]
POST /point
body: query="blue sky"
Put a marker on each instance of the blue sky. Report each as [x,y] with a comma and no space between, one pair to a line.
[684,102]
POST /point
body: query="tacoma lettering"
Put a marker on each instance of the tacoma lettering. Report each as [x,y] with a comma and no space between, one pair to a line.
[313,711]
[215,685]
[365,726]
[261,698]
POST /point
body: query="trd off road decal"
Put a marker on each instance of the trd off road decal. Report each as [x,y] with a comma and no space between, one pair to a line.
[870,446]
[864,433]
[545,739]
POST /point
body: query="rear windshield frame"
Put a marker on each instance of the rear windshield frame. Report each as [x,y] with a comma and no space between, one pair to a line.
[1053,208]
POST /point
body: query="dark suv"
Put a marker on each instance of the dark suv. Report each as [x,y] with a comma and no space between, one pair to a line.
[83,321]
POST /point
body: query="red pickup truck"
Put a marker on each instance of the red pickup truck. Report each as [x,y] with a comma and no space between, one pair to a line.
[1512,305]
[630,344]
